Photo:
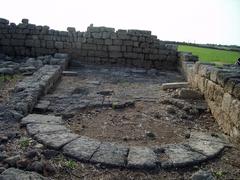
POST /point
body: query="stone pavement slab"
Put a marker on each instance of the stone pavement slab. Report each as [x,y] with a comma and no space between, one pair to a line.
[110,154]
[41,119]
[142,157]
[17,174]
[57,139]
[45,128]
[180,155]
[82,148]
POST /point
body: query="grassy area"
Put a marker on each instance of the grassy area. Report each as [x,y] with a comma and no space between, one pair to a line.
[212,55]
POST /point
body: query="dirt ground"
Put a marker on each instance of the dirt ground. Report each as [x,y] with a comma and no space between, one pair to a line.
[7,83]
[156,117]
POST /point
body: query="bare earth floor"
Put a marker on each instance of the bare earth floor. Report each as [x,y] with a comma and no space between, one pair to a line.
[127,106]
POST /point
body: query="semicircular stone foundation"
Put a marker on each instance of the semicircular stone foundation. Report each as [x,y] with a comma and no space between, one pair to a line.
[52,132]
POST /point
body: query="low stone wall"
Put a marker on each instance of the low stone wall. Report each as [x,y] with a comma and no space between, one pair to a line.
[98,45]
[26,92]
[221,88]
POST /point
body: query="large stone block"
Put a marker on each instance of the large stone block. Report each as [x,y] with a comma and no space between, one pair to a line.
[108,41]
[235,112]
[110,154]
[236,90]
[226,102]
[218,95]
[114,48]
[4,21]
[142,157]
[229,85]
[59,45]
[115,54]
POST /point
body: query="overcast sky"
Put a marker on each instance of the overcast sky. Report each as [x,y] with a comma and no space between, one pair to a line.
[200,21]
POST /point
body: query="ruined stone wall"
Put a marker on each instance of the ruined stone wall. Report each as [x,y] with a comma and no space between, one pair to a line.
[221,88]
[98,45]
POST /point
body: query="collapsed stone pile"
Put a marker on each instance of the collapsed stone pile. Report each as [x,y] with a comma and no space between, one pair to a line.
[27,66]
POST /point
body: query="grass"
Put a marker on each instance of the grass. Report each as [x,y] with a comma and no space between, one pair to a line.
[70,164]
[24,142]
[211,55]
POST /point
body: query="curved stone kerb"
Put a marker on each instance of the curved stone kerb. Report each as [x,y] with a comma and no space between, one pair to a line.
[198,148]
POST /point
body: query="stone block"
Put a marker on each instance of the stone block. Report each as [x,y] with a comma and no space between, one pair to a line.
[42,106]
[235,112]
[50,44]
[108,41]
[210,90]
[117,42]
[223,76]
[180,155]
[89,46]
[113,54]
[5,42]
[96,35]
[82,148]
[229,85]
[14,173]
[114,48]
[189,94]
[33,129]
[205,70]
[71,29]
[226,102]
[25,21]
[55,140]
[174,85]
[142,157]
[59,45]
[110,154]
[218,95]
[29,43]
[236,90]
[4,21]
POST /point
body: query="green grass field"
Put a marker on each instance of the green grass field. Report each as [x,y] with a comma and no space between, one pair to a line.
[211,55]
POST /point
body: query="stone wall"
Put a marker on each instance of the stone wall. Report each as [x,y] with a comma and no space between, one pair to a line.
[221,88]
[98,45]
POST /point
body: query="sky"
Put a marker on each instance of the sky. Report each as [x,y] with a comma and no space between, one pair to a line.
[197,21]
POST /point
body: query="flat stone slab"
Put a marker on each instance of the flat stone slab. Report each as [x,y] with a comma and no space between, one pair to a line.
[94,82]
[56,140]
[208,148]
[82,148]
[41,119]
[42,106]
[17,174]
[69,73]
[180,155]
[174,85]
[33,129]
[202,175]
[110,154]
[142,157]
[208,137]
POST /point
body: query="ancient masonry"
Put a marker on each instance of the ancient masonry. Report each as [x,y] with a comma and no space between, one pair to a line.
[221,88]
[100,45]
